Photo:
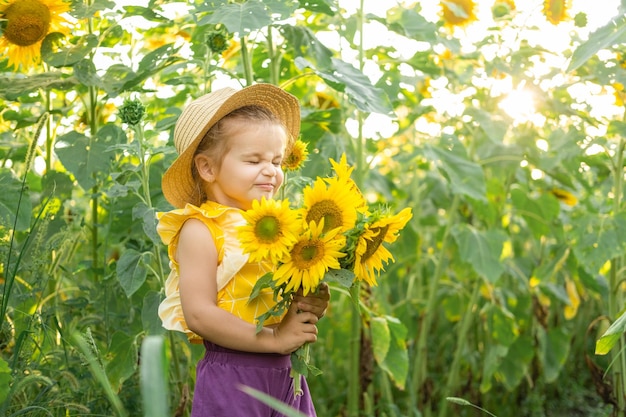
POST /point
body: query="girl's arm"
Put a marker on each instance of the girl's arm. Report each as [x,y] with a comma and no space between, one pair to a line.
[197,259]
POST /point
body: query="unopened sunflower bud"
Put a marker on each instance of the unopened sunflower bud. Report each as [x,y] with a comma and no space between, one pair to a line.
[217,41]
[132,111]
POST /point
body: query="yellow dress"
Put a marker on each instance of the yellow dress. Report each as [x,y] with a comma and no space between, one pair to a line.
[236,276]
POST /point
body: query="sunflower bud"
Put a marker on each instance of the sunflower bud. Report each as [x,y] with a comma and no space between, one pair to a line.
[217,40]
[132,111]
[580,20]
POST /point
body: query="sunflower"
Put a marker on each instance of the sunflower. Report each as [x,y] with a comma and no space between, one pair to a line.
[27,22]
[314,253]
[272,228]
[297,156]
[556,11]
[333,204]
[458,12]
[343,173]
[370,252]
[564,196]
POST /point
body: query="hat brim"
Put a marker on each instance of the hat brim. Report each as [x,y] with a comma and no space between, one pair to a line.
[203,113]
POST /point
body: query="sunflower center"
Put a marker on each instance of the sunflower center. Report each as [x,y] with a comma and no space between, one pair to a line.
[377,240]
[28,22]
[327,210]
[267,229]
[306,254]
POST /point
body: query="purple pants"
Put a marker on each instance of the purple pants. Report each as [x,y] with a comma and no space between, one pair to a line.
[222,372]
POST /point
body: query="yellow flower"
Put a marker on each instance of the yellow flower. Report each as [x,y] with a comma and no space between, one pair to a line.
[619,93]
[27,24]
[324,101]
[574,298]
[311,257]
[370,252]
[556,11]
[334,204]
[297,156]
[565,196]
[272,228]
[458,12]
[343,173]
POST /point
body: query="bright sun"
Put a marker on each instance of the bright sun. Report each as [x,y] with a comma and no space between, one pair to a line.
[519,104]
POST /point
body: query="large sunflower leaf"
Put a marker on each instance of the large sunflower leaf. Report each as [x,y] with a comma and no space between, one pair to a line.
[347,79]
[481,249]
[241,18]
[66,56]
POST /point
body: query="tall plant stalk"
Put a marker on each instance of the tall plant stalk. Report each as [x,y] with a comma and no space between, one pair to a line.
[420,358]
[616,296]
[453,372]
[354,376]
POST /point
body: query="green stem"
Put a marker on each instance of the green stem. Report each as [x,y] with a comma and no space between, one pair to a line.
[246,62]
[49,137]
[274,60]
[354,381]
[453,373]
[616,299]
[420,359]
[354,377]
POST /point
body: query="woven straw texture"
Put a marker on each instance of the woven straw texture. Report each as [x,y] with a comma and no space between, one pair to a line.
[202,113]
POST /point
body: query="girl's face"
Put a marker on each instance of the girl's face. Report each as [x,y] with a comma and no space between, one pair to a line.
[251,168]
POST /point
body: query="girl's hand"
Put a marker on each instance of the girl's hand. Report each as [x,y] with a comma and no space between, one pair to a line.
[296,329]
[316,303]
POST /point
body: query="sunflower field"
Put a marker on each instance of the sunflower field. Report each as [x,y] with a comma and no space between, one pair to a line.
[499,123]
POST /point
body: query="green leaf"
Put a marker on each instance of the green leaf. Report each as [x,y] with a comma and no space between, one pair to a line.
[277,405]
[494,127]
[11,88]
[396,361]
[537,212]
[262,283]
[150,313]
[501,325]
[88,158]
[5,380]
[466,177]
[82,10]
[153,373]
[343,277]
[554,347]
[131,271]
[597,238]
[611,335]
[481,249]
[347,79]
[121,359]
[409,23]
[327,7]
[10,198]
[305,43]
[86,73]
[516,363]
[381,338]
[65,57]
[241,18]
[148,221]
[611,34]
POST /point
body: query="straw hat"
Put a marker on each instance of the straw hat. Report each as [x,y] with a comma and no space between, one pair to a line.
[204,112]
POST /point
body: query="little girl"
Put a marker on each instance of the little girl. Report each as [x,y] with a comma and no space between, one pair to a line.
[231,144]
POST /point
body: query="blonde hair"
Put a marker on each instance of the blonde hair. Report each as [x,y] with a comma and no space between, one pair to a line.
[215,143]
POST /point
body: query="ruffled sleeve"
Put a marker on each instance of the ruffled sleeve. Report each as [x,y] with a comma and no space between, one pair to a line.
[222,222]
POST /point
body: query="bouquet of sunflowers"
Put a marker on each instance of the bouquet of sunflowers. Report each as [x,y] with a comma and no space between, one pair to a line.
[331,237]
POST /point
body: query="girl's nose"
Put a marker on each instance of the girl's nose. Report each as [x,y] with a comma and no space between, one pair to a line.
[270,169]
